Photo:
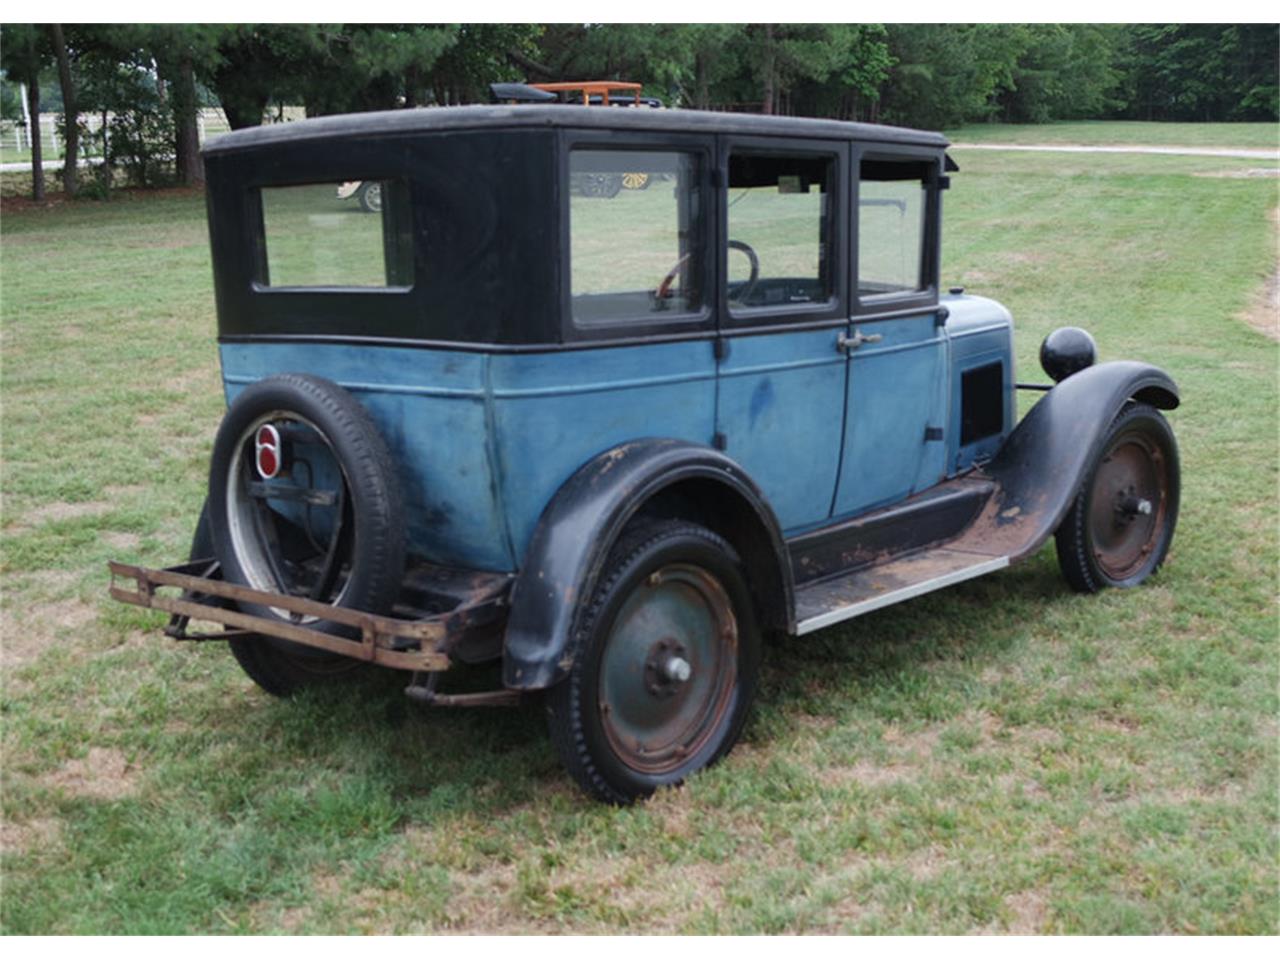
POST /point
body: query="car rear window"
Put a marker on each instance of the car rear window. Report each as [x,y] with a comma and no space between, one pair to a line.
[337,235]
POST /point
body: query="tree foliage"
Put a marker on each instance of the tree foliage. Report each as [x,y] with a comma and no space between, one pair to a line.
[24,54]
[1201,71]
[152,78]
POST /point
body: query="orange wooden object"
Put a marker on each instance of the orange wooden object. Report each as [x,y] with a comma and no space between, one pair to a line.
[591,87]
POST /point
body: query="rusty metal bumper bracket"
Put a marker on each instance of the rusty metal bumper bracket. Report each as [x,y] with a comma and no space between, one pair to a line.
[381,640]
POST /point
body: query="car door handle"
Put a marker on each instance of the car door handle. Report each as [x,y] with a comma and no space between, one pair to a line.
[849,344]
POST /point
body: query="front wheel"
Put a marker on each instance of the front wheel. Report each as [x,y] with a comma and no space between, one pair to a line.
[668,654]
[1118,531]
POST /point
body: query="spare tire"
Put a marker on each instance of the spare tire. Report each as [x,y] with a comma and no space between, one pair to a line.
[304,500]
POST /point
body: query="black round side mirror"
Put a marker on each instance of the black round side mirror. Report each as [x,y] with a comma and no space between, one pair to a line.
[1066,351]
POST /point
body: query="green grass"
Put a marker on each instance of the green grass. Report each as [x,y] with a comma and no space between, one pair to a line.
[1127,132]
[1001,756]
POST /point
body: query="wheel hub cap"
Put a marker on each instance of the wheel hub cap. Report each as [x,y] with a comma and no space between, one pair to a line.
[1127,506]
[669,668]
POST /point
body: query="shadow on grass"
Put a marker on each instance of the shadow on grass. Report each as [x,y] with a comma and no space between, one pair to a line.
[913,661]
[906,664]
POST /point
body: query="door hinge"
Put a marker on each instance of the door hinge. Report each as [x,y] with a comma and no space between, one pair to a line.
[719,441]
[932,433]
[720,347]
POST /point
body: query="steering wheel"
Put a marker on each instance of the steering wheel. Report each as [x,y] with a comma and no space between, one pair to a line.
[749,287]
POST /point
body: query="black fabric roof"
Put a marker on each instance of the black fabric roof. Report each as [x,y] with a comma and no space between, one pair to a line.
[431,119]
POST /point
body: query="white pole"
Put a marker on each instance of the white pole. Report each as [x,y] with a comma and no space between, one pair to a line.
[26,111]
[200,127]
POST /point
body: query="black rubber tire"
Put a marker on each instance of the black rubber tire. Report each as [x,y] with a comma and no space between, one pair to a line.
[369,196]
[1077,554]
[378,546]
[271,669]
[573,705]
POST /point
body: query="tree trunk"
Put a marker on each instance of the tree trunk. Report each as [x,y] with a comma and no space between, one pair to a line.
[701,81]
[242,99]
[767,64]
[37,153]
[412,81]
[190,166]
[70,113]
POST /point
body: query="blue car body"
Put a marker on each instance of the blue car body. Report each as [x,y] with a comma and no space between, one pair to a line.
[484,440]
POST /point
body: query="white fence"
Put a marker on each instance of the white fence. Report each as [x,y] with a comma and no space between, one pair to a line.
[16,137]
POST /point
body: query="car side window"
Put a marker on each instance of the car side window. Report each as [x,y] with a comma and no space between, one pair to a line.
[636,228]
[892,204]
[780,219]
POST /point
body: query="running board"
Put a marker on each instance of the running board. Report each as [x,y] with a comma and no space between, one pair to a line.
[840,598]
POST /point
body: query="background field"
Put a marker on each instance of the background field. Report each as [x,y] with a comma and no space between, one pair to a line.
[1003,756]
[1094,132]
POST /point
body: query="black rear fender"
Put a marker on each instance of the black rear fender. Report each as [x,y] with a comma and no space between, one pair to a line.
[581,523]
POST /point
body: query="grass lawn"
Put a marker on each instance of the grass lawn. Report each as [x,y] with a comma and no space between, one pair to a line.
[1001,756]
[1127,132]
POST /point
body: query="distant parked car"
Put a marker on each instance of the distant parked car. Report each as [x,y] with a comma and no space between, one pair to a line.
[368,195]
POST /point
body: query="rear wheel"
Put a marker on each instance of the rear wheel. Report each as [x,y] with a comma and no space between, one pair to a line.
[666,668]
[304,501]
[1119,529]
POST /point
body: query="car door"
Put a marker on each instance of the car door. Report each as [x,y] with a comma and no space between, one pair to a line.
[894,443]
[783,291]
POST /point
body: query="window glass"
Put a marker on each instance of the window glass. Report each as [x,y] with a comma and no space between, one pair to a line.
[891,218]
[352,234]
[779,212]
[635,235]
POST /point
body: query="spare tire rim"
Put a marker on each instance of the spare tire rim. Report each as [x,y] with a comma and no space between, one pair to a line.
[289,511]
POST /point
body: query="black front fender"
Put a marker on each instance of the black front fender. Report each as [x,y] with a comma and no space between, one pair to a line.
[578,528]
[1046,458]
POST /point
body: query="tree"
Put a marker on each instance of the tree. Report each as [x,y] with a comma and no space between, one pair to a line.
[1201,71]
[70,115]
[948,74]
[256,62]
[835,70]
[480,54]
[24,53]
[709,53]
[1062,72]
[180,52]
[362,67]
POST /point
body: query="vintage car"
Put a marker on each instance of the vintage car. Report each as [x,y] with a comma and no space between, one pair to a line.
[606,441]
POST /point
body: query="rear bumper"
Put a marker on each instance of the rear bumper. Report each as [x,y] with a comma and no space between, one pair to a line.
[445,610]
